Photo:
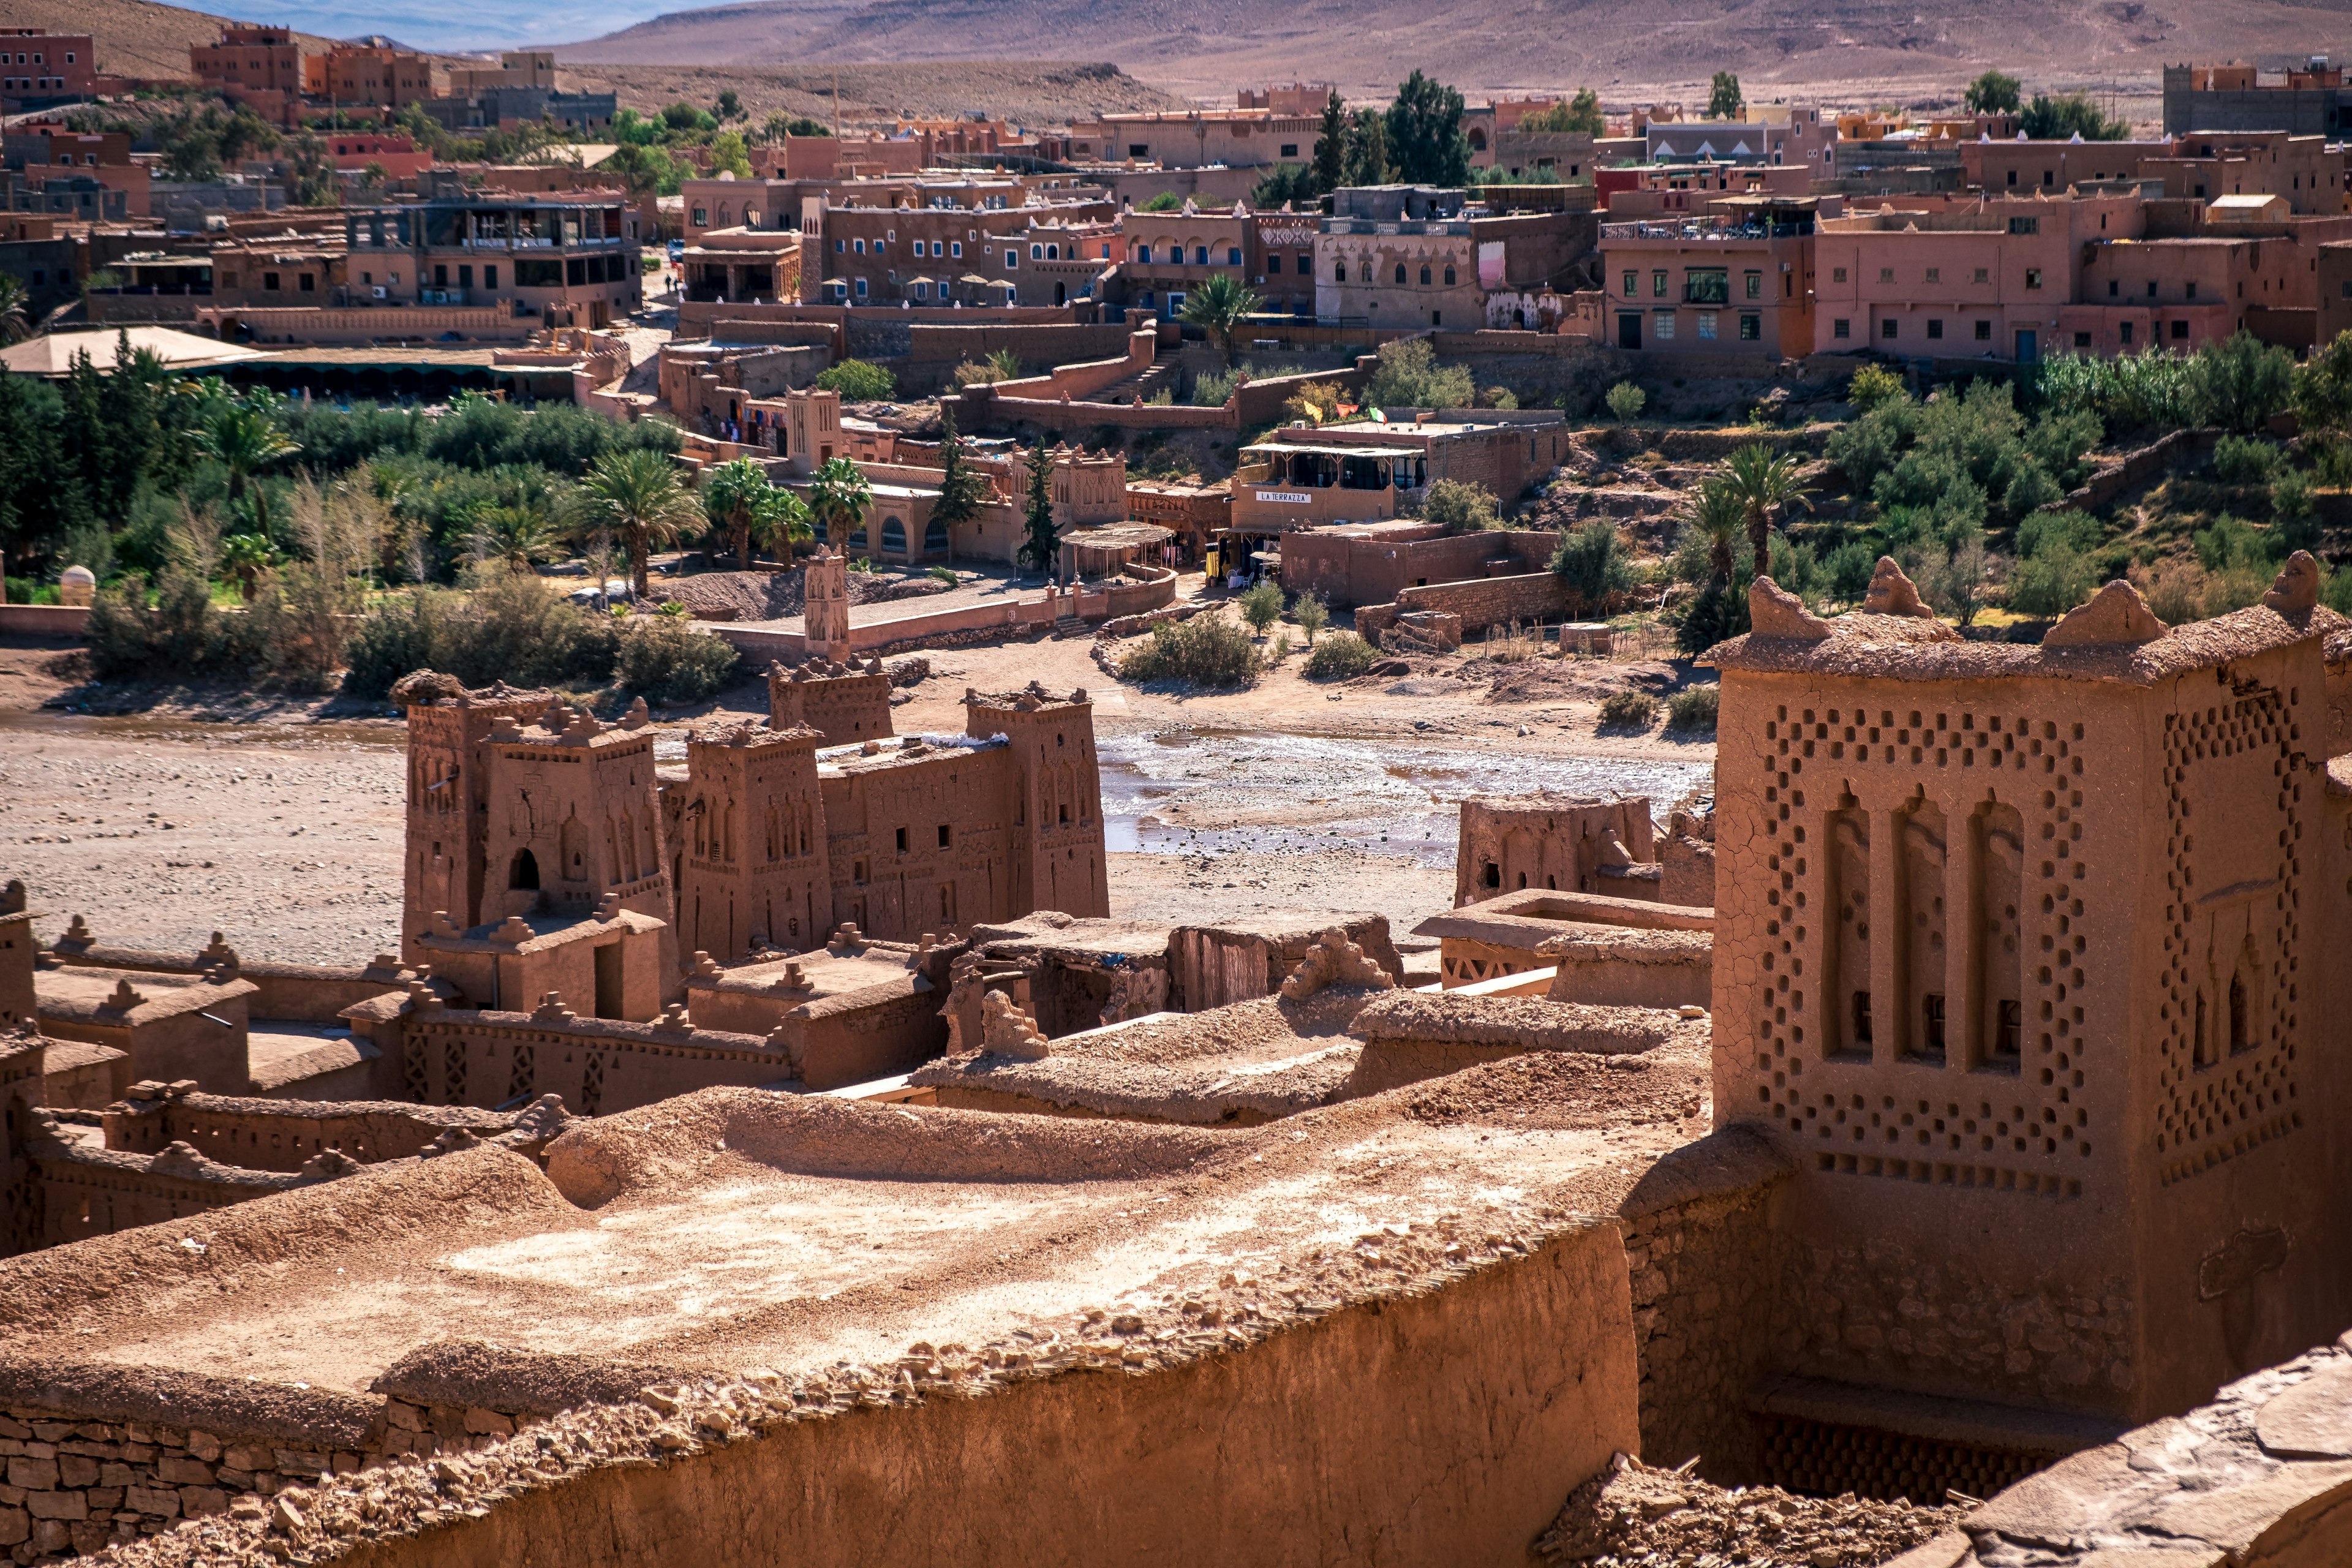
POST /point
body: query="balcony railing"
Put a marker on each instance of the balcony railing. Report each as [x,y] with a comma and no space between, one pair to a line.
[1704,232]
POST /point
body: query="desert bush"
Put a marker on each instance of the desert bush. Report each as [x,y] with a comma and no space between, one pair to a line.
[1212,390]
[942,574]
[2052,582]
[1872,385]
[1311,614]
[1694,707]
[1628,710]
[1205,651]
[2294,516]
[859,381]
[1409,376]
[1460,506]
[2239,383]
[672,661]
[1626,401]
[2244,461]
[1592,561]
[1342,655]
[515,626]
[1261,606]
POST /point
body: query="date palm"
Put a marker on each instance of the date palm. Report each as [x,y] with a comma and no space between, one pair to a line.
[16,309]
[244,440]
[778,522]
[840,498]
[635,495]
[732,494]
[1718,515]
[517,537]
[1766,485]
[1218,306]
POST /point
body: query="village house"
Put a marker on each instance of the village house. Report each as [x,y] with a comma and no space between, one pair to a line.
[1169,254]
[38,64]
[367,76]
[571,259]
[1784,134]
[1741,283]
[261,68]
[1397,255]
[2305,100]
[1363,470]
[1200,138]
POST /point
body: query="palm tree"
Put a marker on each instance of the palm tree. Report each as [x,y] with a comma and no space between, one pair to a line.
[247,556]
[1765,484]
[637,496]
[732,494]
[16,312]
[780,522]
[518,537]
[242,438]
[840,498]
[1218,308]
[1719,516]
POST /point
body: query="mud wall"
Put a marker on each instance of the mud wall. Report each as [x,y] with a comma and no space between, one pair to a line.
[1439,1428]
[1481,602]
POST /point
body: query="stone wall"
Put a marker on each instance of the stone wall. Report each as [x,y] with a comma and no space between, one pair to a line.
[1480,602]
[1707,1271]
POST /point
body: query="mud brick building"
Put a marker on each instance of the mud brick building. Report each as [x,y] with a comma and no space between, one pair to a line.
[2020,959]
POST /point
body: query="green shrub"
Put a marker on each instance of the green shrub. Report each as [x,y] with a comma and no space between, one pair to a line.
[1595,565]
[942,575]
[1261,606]
[1409,376]
[2294,517]
[1460,506]
[1342,655]
[1872,385]
[1628,710]
[2051,582]
[2244,461]
[859,381]
[516,626]
[1694,707]
[1205,651]
[2239,383]
[1311,614]
[395,639]
[671,661]
[2068,530]
[1626,401]
[1212,390]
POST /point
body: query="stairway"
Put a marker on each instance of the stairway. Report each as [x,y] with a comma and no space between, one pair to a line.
[1145,384]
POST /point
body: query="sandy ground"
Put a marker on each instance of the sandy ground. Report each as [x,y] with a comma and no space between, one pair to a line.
[279,822]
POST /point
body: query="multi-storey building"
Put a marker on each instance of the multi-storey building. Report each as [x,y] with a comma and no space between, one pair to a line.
[1741,282]
[258,67]
[971,237]
[571,259]
[1169,254]
[38,64]
[1235,138]
[374,75]
[1401,256]
[1987,277]
[2308,101]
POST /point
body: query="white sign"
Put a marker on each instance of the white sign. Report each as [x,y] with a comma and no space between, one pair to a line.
[1295,496]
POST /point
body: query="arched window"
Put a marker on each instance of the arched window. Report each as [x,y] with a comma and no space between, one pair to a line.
[1449,278]
[894,535]
[1399,271]
[935,538]
[523,874]
[726,215]
[857,540]
[1340,272]
[1424,277]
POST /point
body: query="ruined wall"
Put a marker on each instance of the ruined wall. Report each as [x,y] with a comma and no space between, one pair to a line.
[842,703]
[450,1056]
[282,1135]
[1480,602]
[1506,846]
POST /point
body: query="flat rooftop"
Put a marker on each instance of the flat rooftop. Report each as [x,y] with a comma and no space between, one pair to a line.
[735,1228]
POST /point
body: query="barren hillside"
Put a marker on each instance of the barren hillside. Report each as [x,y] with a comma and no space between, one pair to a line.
[133,37]
[1029,92]
[1204,47]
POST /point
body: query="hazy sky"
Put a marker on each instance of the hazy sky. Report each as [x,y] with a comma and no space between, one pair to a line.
[455,25]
